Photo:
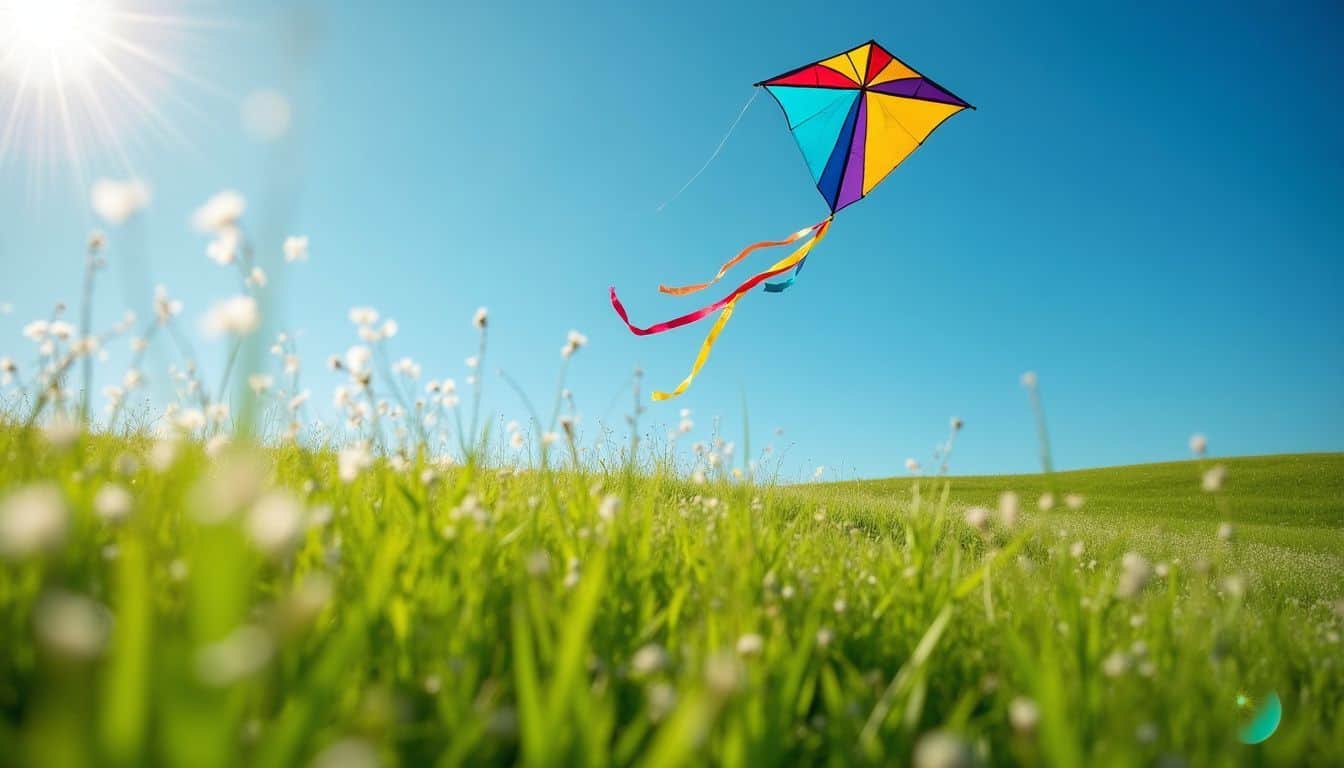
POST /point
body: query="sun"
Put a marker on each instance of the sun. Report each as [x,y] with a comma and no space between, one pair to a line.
[82,84]
[52,41]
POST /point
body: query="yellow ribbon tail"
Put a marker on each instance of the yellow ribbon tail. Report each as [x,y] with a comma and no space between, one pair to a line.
[779,267]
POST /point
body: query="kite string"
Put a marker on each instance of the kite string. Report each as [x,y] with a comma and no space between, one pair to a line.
[741,113]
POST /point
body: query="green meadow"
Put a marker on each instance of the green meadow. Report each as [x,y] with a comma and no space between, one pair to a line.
[283,606]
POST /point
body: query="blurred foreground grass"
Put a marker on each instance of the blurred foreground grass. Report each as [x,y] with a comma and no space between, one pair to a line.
[161,607]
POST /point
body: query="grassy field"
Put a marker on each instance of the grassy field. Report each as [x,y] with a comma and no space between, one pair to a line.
[279,607]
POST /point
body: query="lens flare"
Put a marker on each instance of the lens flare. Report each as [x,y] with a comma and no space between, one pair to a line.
[1265,718]
[81,80]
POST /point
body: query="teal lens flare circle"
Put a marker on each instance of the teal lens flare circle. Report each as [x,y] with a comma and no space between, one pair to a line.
[1265,721]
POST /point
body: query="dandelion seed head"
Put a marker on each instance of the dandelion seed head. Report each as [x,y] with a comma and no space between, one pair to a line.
[977,518]
[750,645]
[351,461]
[357,358]
[115,201]
[941,749]
[724,674]
[112,503]
[1010,507]
[33,519]
[296,248]
[1214,478]
[71,625]
[275,522]
[236,316]
[1135,571]
[223,248]
[223,211]
[363,316]
[610,507]
[348,753]
[1023,714]
[648,660]
[241,654]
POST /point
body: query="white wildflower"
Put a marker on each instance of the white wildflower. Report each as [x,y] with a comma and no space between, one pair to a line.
[37,330]
[1225,532]
[71,625]
[357,358]
[750,645]
[363,316]
[217,413]
[1116,664]
[216,445]
[260,382]
[275,522]
[1029,380]
[480,318]
[348,753]
[1213,479]
[117,201]
[237,316]
[165,308]
[1134,574]
[911,465]
[1009,508]
[610,507]
[219,212]
[1023,714]
[977,518]
[1198,444]
[649,659]
[1046,502]
[257,277]
[573,343]
[32,519]
[941,749]
[223,249]
[241,654]
[296,402]
[190,419]
[296,248]
[1074,501]
[351,461]
[112,502]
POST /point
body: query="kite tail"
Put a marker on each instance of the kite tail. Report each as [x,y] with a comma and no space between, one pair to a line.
[727,304]
[745,252]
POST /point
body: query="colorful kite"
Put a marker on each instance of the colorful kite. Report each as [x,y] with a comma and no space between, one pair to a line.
[855,117]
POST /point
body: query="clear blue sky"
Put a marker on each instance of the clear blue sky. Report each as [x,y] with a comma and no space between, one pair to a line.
[1147,209]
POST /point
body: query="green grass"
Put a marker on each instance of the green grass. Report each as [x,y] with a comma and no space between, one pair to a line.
[483,616]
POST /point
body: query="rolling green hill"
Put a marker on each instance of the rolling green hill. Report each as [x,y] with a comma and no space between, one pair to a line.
[1286,511]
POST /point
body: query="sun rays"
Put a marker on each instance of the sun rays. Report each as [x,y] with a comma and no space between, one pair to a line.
[84,81]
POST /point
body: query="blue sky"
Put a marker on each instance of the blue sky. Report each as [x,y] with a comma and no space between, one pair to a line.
[1145,209]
